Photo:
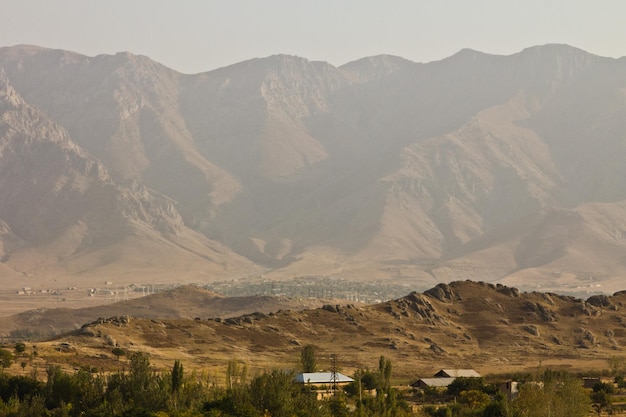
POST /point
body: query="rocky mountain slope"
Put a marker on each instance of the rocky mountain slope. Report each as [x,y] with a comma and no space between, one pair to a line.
[491,328]
[498,168]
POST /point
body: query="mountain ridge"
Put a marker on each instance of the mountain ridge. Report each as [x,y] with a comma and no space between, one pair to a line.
[287,167]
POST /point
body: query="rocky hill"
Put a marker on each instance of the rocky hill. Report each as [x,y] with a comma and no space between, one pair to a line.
[497,168]
[491,328]
[186,302]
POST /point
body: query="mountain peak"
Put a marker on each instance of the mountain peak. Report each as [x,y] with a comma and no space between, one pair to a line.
[375,67]
[551,49]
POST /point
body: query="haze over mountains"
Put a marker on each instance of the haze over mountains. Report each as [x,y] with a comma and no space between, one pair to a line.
[493,168]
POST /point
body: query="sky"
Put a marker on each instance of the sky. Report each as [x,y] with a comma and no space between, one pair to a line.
[194,36]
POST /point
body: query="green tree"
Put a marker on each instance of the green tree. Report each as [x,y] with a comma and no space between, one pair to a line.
[177,376]
[274,392]
[384,369]
[147,390]
[434,411]
[20,348]
[474,399]
[60,387]
[370,380]
[6,358]
[465,384]
[338,406]
[117,351]
[308,359]
[236,374]
[499,407]
[601,397]
[556,396]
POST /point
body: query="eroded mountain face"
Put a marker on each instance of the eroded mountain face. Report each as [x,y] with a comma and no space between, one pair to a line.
[490,167]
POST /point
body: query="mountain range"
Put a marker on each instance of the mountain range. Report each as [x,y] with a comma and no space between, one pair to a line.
[504,169]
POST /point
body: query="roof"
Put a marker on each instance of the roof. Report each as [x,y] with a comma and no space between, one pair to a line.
[433,382]
[321,378]
[458,373]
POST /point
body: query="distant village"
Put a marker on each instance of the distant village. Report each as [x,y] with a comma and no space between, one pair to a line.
[300,287]
[368,292]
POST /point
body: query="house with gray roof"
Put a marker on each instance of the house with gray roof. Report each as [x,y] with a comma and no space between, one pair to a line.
[424,383]
[319,378]
[444,377]
[457,373]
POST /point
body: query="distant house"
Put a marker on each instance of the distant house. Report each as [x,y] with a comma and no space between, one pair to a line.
[457,373]
[590,382]
[424,383]
[444,377]
[322,378]
[323,382]
[510,389]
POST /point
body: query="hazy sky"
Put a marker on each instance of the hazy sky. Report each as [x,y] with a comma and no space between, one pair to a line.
[199,35]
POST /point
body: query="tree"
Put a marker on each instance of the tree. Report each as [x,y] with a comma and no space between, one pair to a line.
[474,399]
[338,406]
[274,392]
[554,397]
[236,374]
[60,387]
[6,358]
[465,384]
[147,390]
[308,359]
[370,380]
[384,368]
[601,395]
[117,351]
[499,407]
[20,347]
[177,376]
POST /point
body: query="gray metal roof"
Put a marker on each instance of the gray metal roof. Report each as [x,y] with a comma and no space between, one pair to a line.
[434,382]
[458,373]
[321,378]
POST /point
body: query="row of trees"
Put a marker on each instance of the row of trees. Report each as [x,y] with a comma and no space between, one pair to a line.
[141,391]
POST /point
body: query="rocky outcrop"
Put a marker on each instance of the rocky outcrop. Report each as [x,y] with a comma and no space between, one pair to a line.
[541,311]
[599,301]
[442,292]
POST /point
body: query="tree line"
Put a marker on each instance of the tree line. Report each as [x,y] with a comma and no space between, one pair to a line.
[140,390]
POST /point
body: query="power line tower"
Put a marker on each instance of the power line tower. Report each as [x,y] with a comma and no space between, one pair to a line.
[333,373]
